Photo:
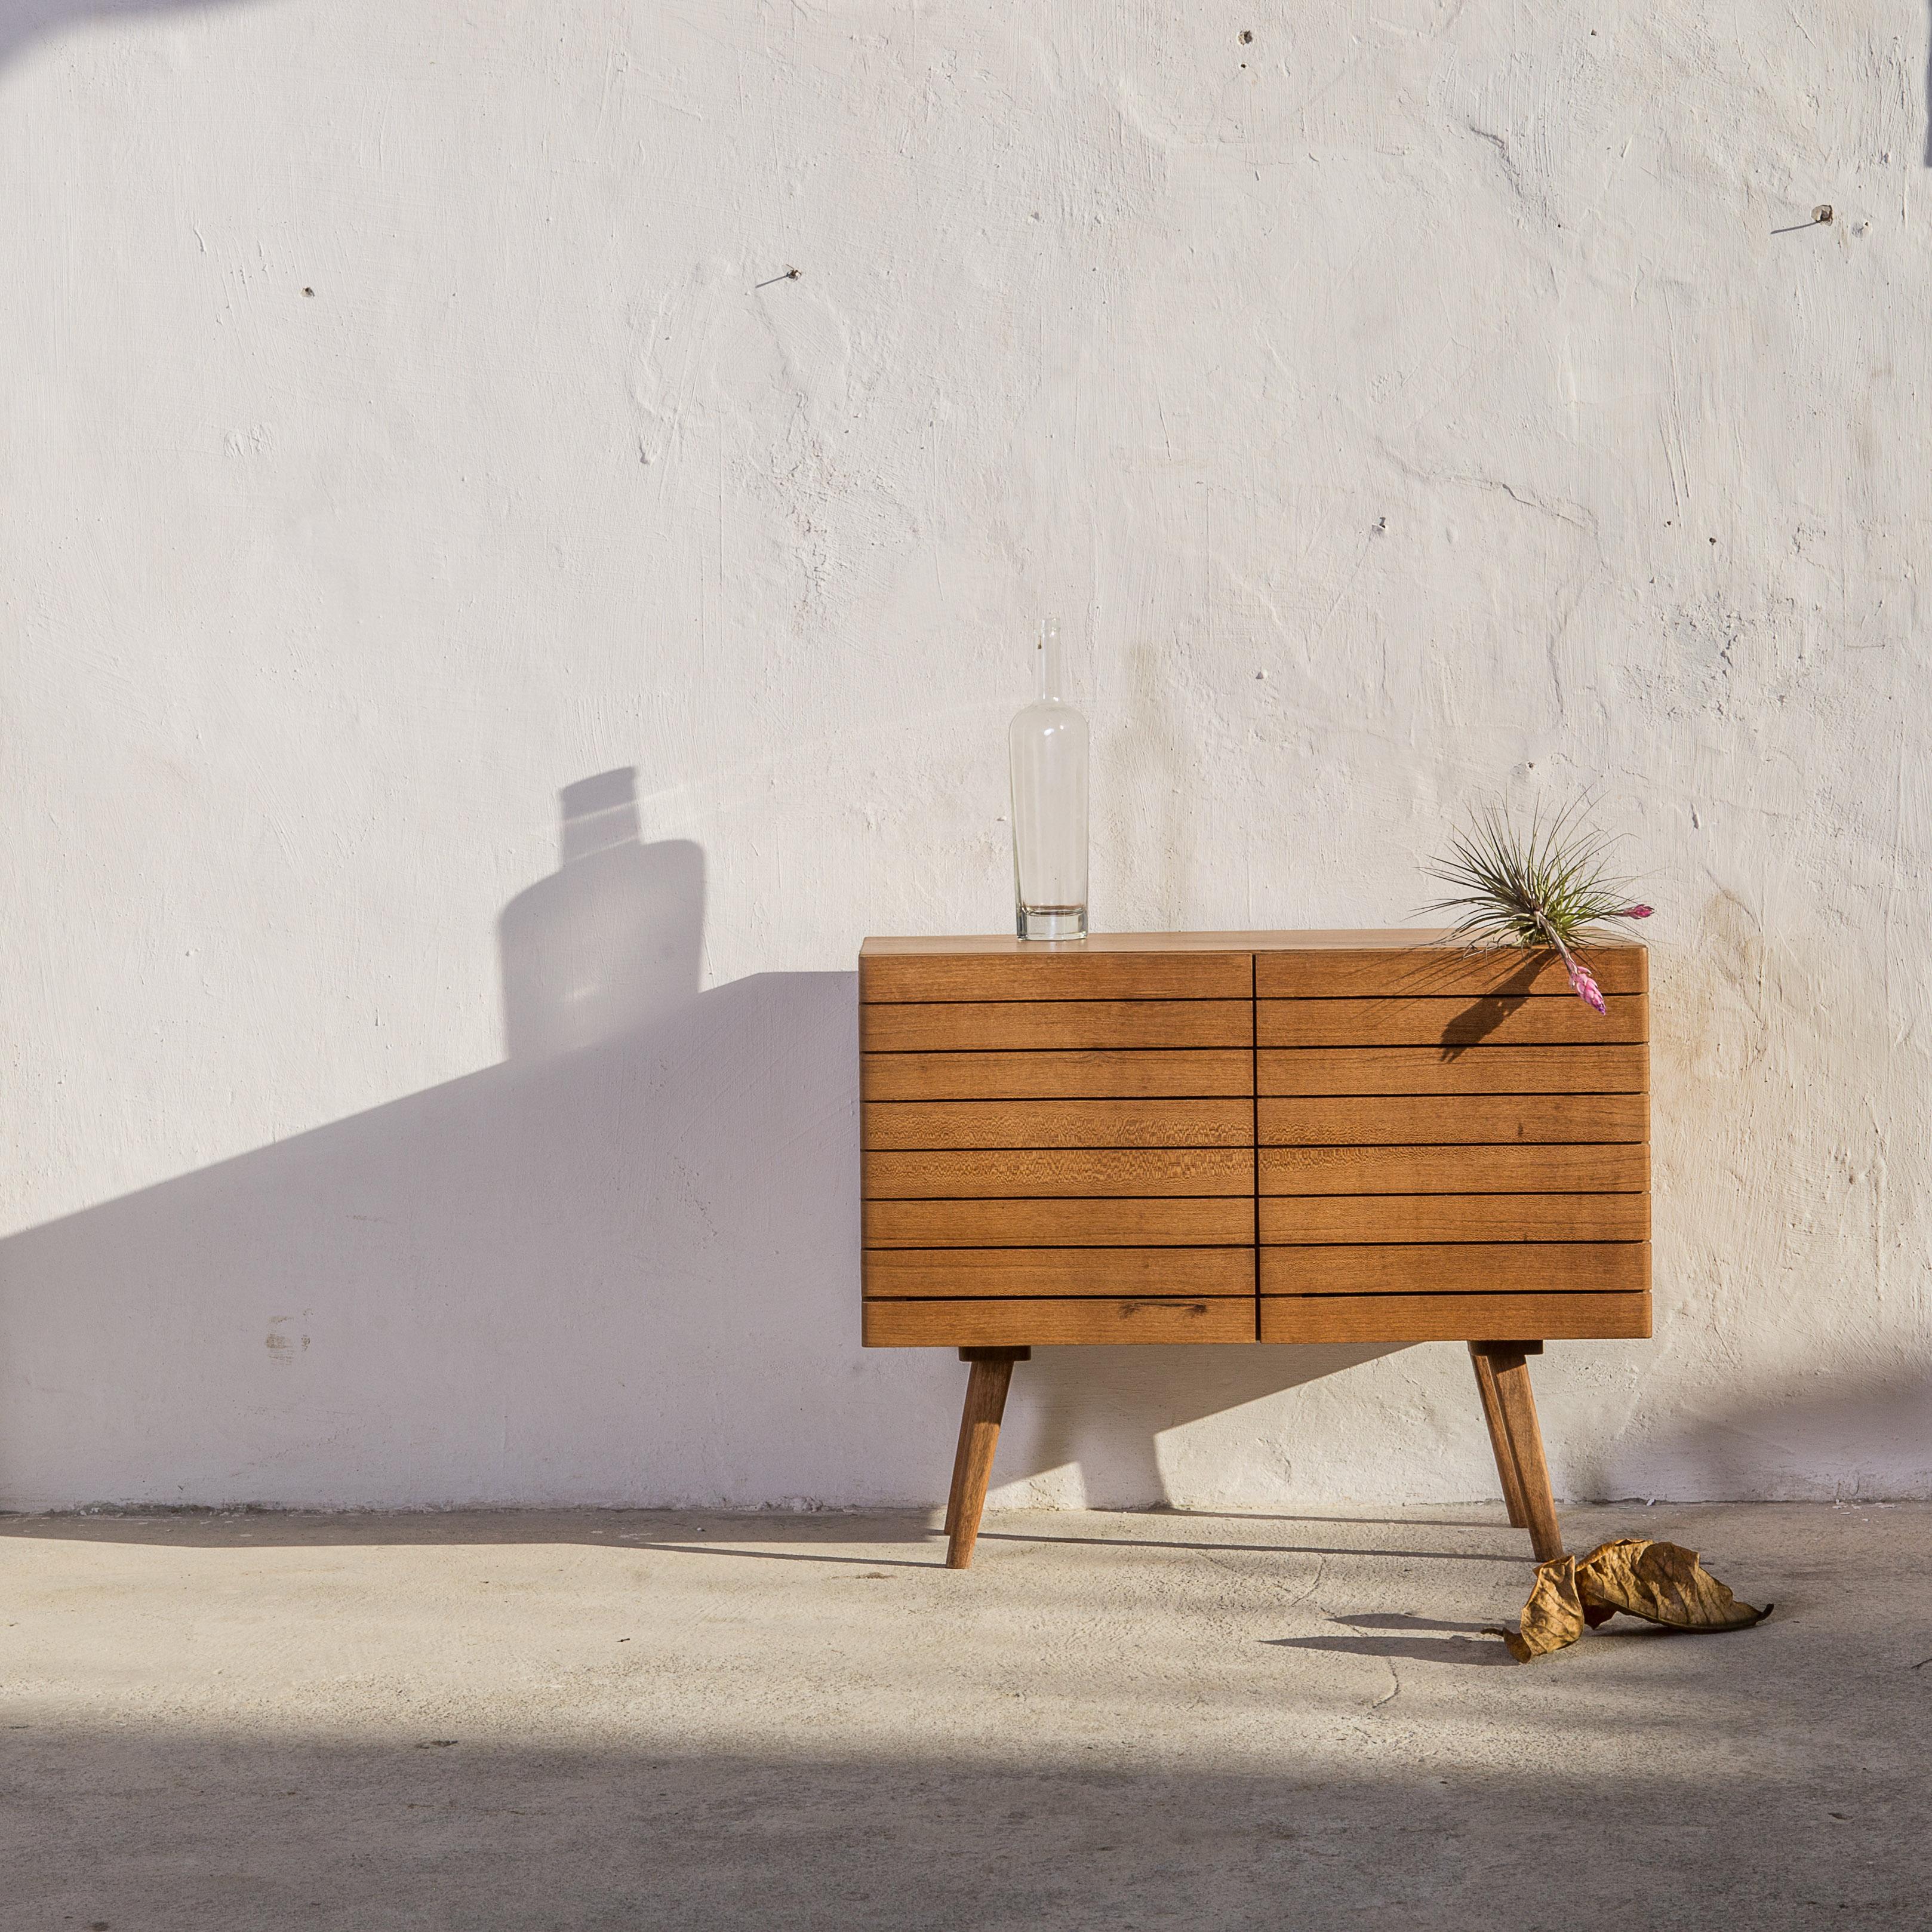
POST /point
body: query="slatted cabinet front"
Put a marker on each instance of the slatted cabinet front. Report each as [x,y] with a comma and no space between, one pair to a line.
[1058,1148]
[1451,1147]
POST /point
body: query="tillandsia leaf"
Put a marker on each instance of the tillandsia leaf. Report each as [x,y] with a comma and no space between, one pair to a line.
[1549,885]
[1663,1583]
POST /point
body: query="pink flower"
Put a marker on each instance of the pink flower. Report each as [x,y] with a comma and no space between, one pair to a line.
[1636,912]
[1586,988]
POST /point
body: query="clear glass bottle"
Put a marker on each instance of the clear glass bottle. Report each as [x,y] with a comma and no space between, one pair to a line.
[1047,746]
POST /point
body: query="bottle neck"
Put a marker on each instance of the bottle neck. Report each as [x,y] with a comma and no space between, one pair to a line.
[1046,663]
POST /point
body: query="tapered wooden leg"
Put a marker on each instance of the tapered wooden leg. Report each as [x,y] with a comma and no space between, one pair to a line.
[986,1385]
[1509,1364]
[1499,1445]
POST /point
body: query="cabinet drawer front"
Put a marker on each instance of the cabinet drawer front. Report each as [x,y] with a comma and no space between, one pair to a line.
[1543,1020]
[1023,1324]
[1459,1268]
[1022,1025]
[978,1274]
[1411,972]
[1352,1121]
[1147,1072]
[1456,1217]
[1041,1173]
[1104,1224]
[1074,974]
[1550,1168]
[1454,1318]
[1453,1070]
[1057,1124]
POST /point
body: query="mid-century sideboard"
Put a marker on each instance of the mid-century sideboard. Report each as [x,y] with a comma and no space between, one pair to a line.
[1252,1137]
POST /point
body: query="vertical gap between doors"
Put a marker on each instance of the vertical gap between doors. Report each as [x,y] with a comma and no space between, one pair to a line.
[1254,1119]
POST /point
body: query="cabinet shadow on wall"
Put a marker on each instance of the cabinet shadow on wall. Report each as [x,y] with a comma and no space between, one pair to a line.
[621,1266]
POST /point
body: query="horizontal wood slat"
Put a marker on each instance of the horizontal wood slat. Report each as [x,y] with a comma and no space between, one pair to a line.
[1043,1173]
[1145,1073]
[1458,1268]
[1454,1318]
[1022,1025]
[1072,974]
[1529,1167]
[976,1273]
[1453,1070]
[1456,1217]
[1104,1224]
[1541,1021]
[1352,1120]
[1414,971]
[1020,1324]
[1057,1124]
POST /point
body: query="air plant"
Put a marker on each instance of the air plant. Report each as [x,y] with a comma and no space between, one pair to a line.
[1549,886]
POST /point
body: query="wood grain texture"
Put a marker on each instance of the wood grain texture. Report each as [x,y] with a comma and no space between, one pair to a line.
[1543,1020]
[1056,974]
[1354,1120]
[1042,1174]
[1510,1369]
[986,1273]
[1547,1167]
[1107,1224]
[1025,1025]
[1456,1217]
[987,1381]
[911,1124]
[1452,1318]
[1499,1442]
[1147,1072]
[927,1324]
[1343,972]
[1453,1070]
[1511,1267]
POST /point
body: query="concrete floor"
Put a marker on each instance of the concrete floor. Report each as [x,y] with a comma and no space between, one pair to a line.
[600,1718]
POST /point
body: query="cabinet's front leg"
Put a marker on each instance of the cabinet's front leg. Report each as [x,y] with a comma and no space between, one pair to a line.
[992,1374]
[1509,1364]
[1499,1444]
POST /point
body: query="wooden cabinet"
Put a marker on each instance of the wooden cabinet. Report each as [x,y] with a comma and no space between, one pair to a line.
[1264,1137]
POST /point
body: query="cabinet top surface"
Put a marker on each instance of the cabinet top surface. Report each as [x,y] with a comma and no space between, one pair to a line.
[1395,939]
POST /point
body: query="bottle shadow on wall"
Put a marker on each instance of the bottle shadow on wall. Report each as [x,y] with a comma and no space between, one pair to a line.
[612,939]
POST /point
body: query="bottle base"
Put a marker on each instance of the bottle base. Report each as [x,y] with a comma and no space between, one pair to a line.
[1050,922]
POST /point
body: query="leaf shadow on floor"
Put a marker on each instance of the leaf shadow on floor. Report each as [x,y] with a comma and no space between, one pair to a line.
[1479,1650]
[1462,1643]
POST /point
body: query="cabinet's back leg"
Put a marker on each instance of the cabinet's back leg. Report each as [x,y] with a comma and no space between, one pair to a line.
[986,1385]
[1507,1362]
[1499,1447]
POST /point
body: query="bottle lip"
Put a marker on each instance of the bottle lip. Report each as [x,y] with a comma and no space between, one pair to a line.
[605,792]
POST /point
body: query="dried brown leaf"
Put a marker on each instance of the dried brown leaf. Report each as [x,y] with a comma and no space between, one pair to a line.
[1553,1617]
[1662,1582]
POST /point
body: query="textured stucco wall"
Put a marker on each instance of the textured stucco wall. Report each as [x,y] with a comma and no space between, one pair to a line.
[1414,404]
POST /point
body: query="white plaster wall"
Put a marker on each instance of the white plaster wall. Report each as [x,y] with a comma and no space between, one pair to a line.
[1415,404]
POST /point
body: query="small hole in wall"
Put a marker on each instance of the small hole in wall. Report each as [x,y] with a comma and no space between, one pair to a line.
[308,292]
[1247,38]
